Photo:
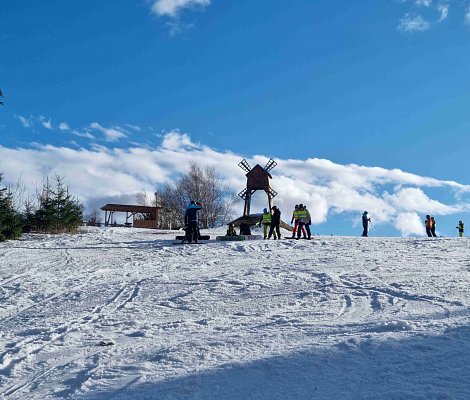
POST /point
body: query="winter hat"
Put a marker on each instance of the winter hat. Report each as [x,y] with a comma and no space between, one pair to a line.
[365,213]
[265,210]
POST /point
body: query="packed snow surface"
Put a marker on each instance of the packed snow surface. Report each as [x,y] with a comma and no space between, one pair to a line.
[116,313]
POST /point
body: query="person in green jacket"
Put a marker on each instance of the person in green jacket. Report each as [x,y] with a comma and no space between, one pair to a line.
[460,228]
[265,220]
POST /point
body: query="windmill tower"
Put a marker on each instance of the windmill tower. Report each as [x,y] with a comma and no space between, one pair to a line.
[258,178]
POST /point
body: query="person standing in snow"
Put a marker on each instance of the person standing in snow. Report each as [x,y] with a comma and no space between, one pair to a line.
[365,223]
[265,220]
[460,228]
[295,220]
[308,222]
[275,221]
[428,225]
[303,219]
[191,220]
[433,227]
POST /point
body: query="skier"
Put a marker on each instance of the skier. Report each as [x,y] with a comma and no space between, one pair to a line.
[295,220]
[275,221]
[191,220]
[428,224]
[303,219]
[365,224]
[265,220]
[460,228]
[433,227]
[231,230]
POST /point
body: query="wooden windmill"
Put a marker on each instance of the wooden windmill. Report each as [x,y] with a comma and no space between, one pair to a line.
[257,179]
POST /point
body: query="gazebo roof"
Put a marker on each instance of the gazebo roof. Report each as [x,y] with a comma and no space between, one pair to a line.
[129,208]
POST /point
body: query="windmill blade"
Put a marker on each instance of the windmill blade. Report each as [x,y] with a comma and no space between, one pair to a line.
[243,164]
[243,193]
[271,193]
[270,165]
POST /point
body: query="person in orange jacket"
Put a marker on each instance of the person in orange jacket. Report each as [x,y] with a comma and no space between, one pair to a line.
[428,225]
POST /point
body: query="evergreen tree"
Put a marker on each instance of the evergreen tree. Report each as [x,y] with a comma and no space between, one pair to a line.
[28,217]
[58,210]
[10,222]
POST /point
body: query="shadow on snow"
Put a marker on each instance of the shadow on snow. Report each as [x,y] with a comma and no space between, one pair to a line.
[417,366]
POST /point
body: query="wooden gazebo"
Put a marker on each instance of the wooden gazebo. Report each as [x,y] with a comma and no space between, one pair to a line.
[142,216]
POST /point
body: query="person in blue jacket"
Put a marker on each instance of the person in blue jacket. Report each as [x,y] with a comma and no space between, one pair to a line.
[191,220]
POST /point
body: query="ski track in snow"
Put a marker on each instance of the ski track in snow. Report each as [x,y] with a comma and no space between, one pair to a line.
[386,317]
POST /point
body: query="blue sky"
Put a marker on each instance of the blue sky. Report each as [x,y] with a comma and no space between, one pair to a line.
[377,84]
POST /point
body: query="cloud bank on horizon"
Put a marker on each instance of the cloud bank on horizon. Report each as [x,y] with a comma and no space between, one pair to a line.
[103,174]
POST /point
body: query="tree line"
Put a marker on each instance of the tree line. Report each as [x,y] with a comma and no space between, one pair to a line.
[54,210]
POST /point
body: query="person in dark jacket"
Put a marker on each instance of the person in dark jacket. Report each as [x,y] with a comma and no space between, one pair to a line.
[275,222]
[191,220]
[245,229]
[308,222]
[365,224]
[231,230]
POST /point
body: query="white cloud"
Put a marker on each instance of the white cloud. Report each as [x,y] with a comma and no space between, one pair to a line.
[134,127]
[409,223]
[175,140]
[436,11]
[63,126]
[46,123]
[414,199]
[171,8]
[423,3]
[85,134]
[413,23]
[111,134]
[443,11]
[327,188]
[25,121]
[467,16]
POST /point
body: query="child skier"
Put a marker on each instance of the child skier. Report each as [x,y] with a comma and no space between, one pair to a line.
[460,228]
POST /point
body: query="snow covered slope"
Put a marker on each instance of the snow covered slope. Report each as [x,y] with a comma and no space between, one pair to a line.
[122,313]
